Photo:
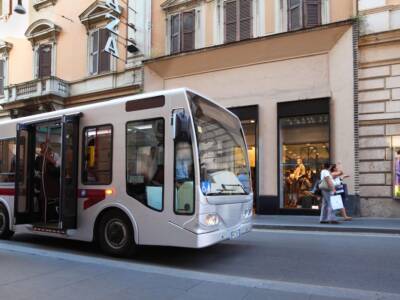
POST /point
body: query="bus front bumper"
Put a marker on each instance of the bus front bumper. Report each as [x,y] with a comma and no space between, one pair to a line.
[211,238]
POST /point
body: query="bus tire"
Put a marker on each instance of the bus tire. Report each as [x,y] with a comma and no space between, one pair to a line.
[115,234]
[5,232]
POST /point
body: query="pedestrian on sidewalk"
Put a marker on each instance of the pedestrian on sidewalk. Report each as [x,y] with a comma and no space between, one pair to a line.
[340,187]
[327,188]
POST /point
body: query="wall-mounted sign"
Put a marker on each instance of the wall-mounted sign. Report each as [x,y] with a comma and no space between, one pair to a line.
[111,45]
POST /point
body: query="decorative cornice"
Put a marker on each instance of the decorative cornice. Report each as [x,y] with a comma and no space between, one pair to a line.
[391,36]
[95,13]
[42,29]
[39,4]
[175,4]
[5,48]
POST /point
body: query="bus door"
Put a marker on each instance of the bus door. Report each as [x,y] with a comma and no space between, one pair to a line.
[23,206]
[69,172]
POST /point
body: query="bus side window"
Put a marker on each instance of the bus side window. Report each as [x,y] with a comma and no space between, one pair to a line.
[145,162]
[7,160]
[97,159]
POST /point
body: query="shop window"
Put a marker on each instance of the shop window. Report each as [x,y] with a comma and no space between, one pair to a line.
[304,13]
[238,20]
[183,31]
[7,160]
[97,160]
[145,162]
[100,60]
[304,148]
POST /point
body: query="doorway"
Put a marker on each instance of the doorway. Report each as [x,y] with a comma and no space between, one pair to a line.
[46,178]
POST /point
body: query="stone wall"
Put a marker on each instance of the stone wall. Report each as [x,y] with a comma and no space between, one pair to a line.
[379,115]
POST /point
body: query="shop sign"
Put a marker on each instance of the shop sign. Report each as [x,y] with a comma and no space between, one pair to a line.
[111,45]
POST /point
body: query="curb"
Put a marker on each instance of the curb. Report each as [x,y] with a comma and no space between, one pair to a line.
[333,228]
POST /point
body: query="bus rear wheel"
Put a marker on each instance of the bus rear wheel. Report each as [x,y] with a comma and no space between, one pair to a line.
[5,232]
[115,234]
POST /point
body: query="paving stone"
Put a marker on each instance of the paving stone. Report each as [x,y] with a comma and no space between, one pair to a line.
[219,291]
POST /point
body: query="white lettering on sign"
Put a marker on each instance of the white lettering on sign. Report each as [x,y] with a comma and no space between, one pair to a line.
[111,46]
[114,5]
[112,26]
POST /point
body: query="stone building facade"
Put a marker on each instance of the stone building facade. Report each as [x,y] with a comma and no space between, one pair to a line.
[379,107]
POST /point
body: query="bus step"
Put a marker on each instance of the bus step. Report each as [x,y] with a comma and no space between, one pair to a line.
[49,230]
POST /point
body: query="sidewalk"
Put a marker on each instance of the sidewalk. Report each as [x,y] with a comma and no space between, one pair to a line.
[311,223]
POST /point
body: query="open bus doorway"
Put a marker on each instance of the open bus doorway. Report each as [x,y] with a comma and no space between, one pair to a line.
[47,170]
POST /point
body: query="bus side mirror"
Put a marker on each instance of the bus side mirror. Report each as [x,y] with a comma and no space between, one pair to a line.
[181,126]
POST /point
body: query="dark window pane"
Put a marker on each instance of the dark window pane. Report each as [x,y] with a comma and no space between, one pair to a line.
[145,162]
[44,61]
[245,19]
[175,34]
[188,31]
[312,12]
[97,160]
[7,160]
[95,52]
[230,21]
[104,57]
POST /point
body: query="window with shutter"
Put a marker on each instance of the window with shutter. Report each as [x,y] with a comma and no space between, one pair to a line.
[230,21]
[304,13]
[238,20]
[2,72]
[94,52]
[188,30]
[312,13]
[175,34]
[246,20]
[104,57]
[183,31]
[44,61]
[295,14]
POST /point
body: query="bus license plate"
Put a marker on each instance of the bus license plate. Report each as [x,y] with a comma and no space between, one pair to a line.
[235,234]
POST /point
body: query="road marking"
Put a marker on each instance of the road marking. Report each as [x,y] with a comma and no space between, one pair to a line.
[380,235]
[308,289]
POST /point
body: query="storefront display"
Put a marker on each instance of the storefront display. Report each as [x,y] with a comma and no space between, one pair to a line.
[304,148]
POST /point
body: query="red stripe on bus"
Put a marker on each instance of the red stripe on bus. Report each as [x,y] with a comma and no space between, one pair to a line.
[7,192]
[93,197]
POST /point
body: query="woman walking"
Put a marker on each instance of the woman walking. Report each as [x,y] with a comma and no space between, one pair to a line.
[327,188]
[340,188]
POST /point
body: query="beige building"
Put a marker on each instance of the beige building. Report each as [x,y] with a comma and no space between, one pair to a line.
[379,109]
[287,68]
[53,55]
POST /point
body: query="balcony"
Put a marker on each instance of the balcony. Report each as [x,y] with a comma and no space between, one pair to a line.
[49,87]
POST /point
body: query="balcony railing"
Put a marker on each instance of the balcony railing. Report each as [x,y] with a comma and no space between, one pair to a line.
[49,86]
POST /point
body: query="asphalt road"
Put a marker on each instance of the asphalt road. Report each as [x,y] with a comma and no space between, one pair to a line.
[354,261]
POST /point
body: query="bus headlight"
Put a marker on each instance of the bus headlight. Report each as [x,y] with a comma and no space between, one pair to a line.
[210,220]
[247,213]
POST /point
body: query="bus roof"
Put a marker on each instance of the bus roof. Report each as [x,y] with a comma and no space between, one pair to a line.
[105,103]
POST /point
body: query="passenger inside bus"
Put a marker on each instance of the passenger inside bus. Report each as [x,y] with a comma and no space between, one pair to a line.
[47,181]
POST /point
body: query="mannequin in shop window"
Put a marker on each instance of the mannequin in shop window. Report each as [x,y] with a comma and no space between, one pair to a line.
[298,174]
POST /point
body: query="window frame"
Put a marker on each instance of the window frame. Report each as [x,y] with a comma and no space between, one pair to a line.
[126,161]
[90,54]
[196,31]
[83,154]
[3,65]
[323,6]
[238,20]
[15,142]
[36,69]
[194,177]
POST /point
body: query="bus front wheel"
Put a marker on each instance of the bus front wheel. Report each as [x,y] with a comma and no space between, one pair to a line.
[115,234]
[5,232]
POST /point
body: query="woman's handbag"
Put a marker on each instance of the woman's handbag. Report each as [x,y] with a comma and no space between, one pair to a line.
[336,202]
[323,186]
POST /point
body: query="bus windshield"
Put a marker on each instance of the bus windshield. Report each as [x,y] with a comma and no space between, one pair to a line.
[224,168]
